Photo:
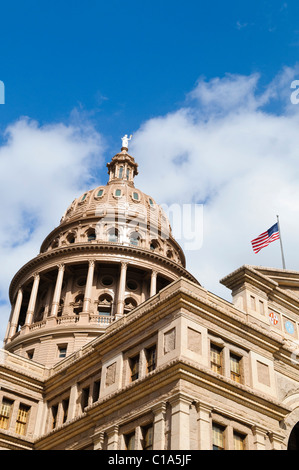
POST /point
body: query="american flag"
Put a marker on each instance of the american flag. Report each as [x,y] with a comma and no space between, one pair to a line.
[265,238]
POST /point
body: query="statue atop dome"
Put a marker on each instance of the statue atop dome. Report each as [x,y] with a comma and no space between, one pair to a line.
[125,140]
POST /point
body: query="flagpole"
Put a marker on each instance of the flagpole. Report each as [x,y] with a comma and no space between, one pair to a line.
[282,255]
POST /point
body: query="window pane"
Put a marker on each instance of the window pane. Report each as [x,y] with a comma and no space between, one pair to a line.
[5,412]
[130,441]
[134,366]
[218,437]
[216,362]
[147,433]
[239,441]
[151,359]
[22,419]
[235,371]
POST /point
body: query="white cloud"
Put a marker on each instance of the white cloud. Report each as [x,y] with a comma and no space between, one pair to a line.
[42,169]
[228,149]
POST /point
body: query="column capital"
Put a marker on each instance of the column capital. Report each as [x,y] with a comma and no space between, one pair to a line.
[159,408]
[61,266]
[180,397]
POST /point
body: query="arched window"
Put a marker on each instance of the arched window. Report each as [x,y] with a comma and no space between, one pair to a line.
[78,304]
[91,235]
[105,304]
[60,307]
[121,170]
[71,238]
[113,235]
[55,243]
[130,304]
[154,245]
[135,238]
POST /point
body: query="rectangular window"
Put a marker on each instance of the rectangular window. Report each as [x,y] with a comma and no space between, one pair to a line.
[130,441]
[218,437]
[261,307]
[134,367]
[5,413]
[150,355]
[22,419]
[235,368]
[54,411]
[147,437]
[252,302]
[65,408]
[239,441]
[216,358]
[30,354]
[96,391]
[62,351]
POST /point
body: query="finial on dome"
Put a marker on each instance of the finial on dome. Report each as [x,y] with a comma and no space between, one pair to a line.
[125,141]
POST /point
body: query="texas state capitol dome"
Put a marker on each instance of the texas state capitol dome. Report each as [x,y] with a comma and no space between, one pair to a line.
[112,251]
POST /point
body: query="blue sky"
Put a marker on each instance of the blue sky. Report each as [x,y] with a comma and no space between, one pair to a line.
[203,86]
[124,62]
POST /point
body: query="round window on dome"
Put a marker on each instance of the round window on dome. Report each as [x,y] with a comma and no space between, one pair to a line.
[136,196]
[107,280]
[131,284]
[100,192]
[117,192]
[81,281]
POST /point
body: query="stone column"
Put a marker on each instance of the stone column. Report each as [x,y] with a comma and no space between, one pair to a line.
[259,435]
[57,292]
[121,289]
[204,426]
[159,426]
[112,435]
[88,287]
[153,289]
[98,440]
[71,413]
[16,313]
[32,301]
[180,422]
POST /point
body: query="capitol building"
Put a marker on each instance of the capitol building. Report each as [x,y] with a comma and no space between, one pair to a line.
[112,344]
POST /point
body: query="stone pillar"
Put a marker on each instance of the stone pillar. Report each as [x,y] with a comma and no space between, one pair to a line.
[277,441]
[98,440]
[73,402]
[159,426]
[180,422]
[121,289]
[259,435]
[204,426]
[88,287]
[112,434]
[16,313]
[57,292]
[32,301]
[153,289]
